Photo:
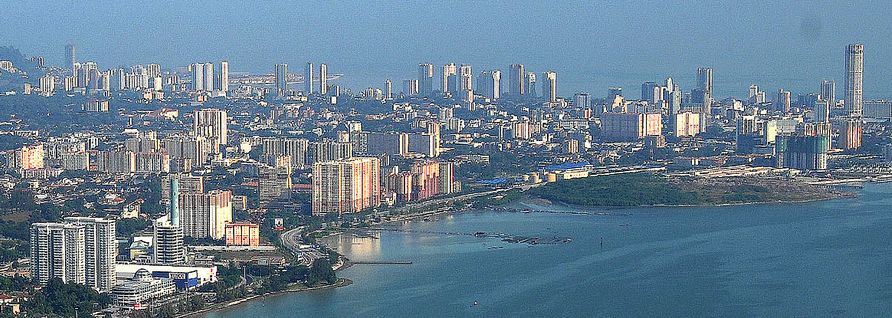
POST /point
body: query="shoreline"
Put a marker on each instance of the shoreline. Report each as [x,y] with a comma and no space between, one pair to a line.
[450,211]
[341,282]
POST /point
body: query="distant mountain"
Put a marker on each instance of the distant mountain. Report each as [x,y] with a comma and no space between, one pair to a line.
[20,62]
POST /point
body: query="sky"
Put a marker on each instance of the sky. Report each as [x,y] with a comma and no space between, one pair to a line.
[590,44]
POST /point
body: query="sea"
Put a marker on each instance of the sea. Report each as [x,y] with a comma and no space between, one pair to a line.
[819,259]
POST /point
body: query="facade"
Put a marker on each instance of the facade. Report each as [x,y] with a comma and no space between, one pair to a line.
[168,247]
[686,124]
[346,186]
[204,215]
[141,289]
[57,251]
[212,125]
[274,184]
[100,251]
[297,149]
[854,79]
[242,234]
[630,126]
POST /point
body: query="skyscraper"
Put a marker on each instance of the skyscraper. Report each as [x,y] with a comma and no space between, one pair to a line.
[70,56]
[782,103]
[57,251]
[198,77]
[281,79]
[704,83]
[828,91]
[410,87]
[549,86]
[212,124]
[168,248]
[308,79]
[346,186]
[531,84]
[647,91]
[489,83]
[323,79]
[224,78]
[208,77]
[449,73]
[425,79]
[100,251]
[388,89]
[516,80]
[854,79]
[204,215]
[465,78]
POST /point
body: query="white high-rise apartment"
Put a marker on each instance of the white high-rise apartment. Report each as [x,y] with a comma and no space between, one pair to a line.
[323,79]
[854,79]
[100,251]
[197,77]
[211,124]
[205,214]
[57,251]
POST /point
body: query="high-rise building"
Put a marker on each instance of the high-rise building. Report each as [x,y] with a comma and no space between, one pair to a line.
[582,100]
[549,86]
[167,246]
[204,215]
[208,77]
[531,85]
[782,102]
[211,124]
[447,177]
[57,251]
[647,91]
[346,186]
[822,111]
[323,79]
[410,87]
[242,234]
[100,251]
[489,84]
[308,79]
[466,77]
[281,79]
[274,183]
[517,80]
[854,79]
[448,81]
[704,83]
[224,78]
[388,89]
[295,148]
[425,79]
[70,56]
[828,91]
[198,77]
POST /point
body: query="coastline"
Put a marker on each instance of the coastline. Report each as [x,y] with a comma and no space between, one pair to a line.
[342,282]
[527,198]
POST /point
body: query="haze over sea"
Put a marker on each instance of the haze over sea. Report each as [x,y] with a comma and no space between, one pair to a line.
[591,44]
[821,259]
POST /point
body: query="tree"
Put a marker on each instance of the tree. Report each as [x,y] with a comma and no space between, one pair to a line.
[321,271]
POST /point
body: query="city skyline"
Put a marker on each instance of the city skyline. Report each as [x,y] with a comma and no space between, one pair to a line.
[810,37]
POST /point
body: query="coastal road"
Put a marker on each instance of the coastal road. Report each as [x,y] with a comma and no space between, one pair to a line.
[291,239]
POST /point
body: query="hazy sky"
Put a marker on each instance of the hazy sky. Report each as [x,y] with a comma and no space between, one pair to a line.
[592,45]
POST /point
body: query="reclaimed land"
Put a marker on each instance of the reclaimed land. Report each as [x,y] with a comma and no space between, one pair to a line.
[648,189]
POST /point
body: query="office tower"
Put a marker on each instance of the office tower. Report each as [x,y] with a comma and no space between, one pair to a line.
[346,186]
[828,91]
[516,80]
[208,77]
[410,87]
[70,56]
[212,125]
[281,79]
[822,111]
[388,89]
[296,149]
[449,71]
[100,251]
[465,78]
[274,183]
[204,215]
[854,79]
[782,103]
[582,100]
[549,86]
[489,84]
[447,177]
[57,251]
[704,83]
[425,79]
[531,85]
[308,79]
[224,78]
[197,76]
[323,79]
[167,246]
[647,91]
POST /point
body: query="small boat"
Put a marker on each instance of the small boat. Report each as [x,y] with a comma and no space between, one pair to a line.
[475,304]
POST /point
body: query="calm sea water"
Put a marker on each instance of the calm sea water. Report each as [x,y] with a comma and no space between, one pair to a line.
[823,259]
